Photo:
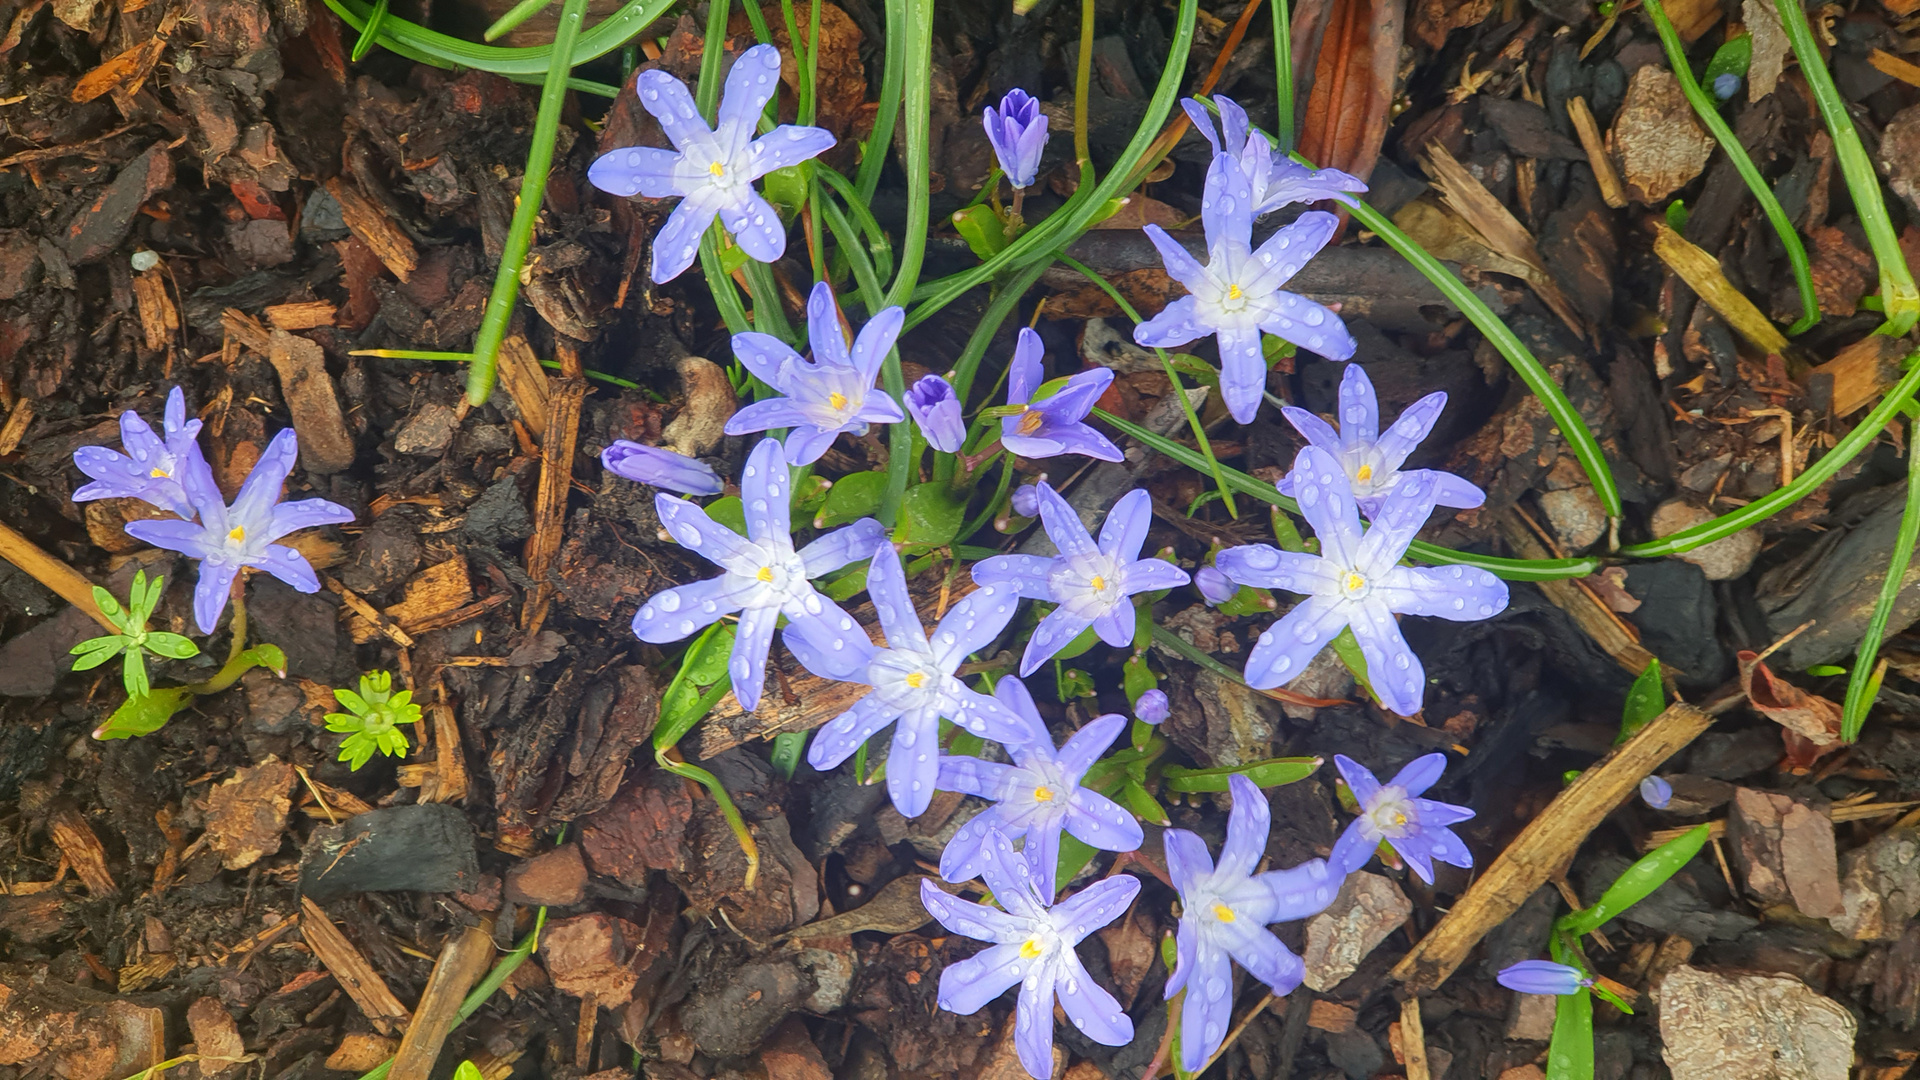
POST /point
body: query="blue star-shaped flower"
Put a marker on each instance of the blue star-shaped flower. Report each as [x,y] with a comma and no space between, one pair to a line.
[1093,584]
[149,470]
[1055,424]
[714,168]
[833,394]
[1371,459]
[1394,812]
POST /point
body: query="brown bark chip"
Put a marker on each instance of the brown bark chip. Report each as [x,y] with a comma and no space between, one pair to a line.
[247,814]
[1785,851]
[216,1037]
[1660,143]
[555,879]
[325,444]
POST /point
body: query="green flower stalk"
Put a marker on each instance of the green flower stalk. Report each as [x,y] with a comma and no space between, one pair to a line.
[134,639]
[373,719]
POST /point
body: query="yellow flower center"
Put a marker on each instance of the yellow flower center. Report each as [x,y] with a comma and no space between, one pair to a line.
[1399,818]
[837,399]
[1364,474]
[1031,948]
[765,574]
[1030,421]
[1355,582]
[161,474]
[1098,582]
[917,679]
[238,535]
[717,169]
[1223,913]
[1042,794]
[1233,292]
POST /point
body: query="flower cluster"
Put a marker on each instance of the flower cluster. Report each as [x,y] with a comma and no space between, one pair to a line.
[172,474]
[1040,786]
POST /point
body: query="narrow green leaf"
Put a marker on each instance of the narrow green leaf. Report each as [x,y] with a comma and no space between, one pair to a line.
[788,748]
[1272,772]
[1646,699]
[1570,1055]
[171,646]
[1637,882]
[1864,685]
[1144,806]
[133,673]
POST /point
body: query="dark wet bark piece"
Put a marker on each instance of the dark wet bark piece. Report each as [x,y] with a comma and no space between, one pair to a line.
[1838,581]
[729,1016]
[428,847]
[101,224]
[642,830]
[1524,127]
[615,719]
[787,893]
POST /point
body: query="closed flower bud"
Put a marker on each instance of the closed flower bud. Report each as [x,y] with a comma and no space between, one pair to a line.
[1152,707]
[934,407]
[659,468]
[1026,500]
[1018,132]
[1656,792]
[1215,587]
[1542,977]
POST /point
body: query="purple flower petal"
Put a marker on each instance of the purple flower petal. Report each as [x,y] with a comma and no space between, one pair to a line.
[1420,774]
[936,411]
[1125,530]
[984,716]
[1264,566]
[875,341]
[766,356]
[751,83]
[692,529]
[1033,1027]
[971,776]
[1089,1007]
[977,921]
[1215,587]
[776,412]
[1395,672]
[966,987]
[677,243]
[752,641]
[1360,779]
[1243,371]
[1313,429]
[1264,957]
[1187,858]
[1099,822]
[1087,744]
[660,468]
[291,567]
[1541,977]
[253,507]
[974,622]
[785,146]
[913,764]
[1041,850]
[1186,941]
[1286,647]
[1152,707]
[763,494]
[1460,593]
[1360,410]
[1018,700]
[840,737]
[1116,626]
[1656,792]
[1063,525]
[638,170]
[210,593]
[1054,633]
[1301,892]
[849,544]
[1176,324]
[1247,827]
[1208,1007]
[1353,850]
[1226,206]
[1180,263]
[887,587]
[1410,429]
[830,644]
[668,100]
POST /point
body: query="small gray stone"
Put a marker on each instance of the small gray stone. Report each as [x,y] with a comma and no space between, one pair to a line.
[1368,908]
[1880,886]
[428,433]
[1530,1017]
[1722,560]
[1576,517]
[1718,1026]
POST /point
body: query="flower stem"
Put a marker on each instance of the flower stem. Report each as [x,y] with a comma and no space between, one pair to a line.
[1898,295]
[1862,684]
[533,189]
[1082,85]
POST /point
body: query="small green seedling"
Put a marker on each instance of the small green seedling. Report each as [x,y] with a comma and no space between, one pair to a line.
[134,639]
[373,719]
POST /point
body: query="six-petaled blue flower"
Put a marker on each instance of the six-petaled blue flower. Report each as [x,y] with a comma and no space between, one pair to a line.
[1017,130]
[1093,584]
[1542,977]
[1034,941]
[914,687]
[765,578]
[1224,912]
[1237,296]
[1037,797]
[1356,581]
[934,407]
[712,169]
[660,468]
[1394,812]
[1055,424]
[227,539]
[1371,459]
[834,393]
[1273,181]
[150,468]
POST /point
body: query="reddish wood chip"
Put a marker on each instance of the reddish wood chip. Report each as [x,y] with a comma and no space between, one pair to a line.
[247,815]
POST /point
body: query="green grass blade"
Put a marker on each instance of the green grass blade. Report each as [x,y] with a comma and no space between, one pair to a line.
[1898,296]
[369,33]
[913,21]
[893,80]
[1573,427]
[533,190]
[519,13]
[1283,74]
[416,42]
[1861,685]
[1066,225]
[1506,569]
[1709,112]
[1816,474]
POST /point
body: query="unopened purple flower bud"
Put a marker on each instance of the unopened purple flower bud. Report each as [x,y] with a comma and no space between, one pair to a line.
[1151,708]
[660,468]
[1542,977]
[937,411]
[1656,792]
[1018,132]
[1026,500]
[1725,85]
[1215,587]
